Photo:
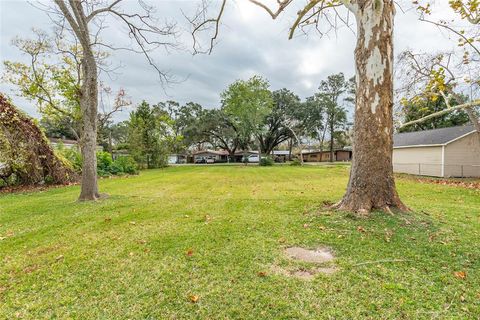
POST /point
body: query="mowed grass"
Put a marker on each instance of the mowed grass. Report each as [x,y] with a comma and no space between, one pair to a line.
[167,237]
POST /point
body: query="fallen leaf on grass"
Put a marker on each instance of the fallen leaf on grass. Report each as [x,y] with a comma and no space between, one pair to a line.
[108,219]
[306,225]
[388,235]
[60,257]
[361,229]
[141,241]
[327,203]
[194,298]
[29,269]
[189,252]
[262,274]
[133,223]
[460,274]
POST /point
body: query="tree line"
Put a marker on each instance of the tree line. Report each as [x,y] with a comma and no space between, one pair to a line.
[250,116]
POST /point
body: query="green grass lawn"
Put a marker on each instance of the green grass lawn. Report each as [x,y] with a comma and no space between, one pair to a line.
[218,233]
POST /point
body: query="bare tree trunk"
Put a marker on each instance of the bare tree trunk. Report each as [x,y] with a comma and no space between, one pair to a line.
[371,184]
[322,140]
[331,143]
[290,146]
[110,143]
[88,104]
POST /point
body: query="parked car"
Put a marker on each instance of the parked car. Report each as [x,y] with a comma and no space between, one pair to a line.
[210,159]
[253,158]
[200,160]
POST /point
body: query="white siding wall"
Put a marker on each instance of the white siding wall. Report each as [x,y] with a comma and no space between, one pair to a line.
[462,157]
[425,161]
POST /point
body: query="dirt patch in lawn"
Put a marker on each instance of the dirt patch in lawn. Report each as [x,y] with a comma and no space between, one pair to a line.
[320,255]
[321,261]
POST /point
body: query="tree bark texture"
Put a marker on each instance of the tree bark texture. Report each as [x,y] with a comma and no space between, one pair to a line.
[88,104]
[371,184]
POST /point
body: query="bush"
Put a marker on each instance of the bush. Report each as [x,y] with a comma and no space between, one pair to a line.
[105,165]
[266,162]
[104,161]
[124,165]
[296,162]
[74,158]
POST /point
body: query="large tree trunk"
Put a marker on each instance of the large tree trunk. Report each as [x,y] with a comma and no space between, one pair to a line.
[88,104]
[371,184]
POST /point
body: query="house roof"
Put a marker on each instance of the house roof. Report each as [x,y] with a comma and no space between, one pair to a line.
[217,152]
[435,137]
[324,151]
[64,141]
[281,152]
[241,152]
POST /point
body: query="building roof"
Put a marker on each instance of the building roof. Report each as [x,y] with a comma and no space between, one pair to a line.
[241,152]
[435,137]
[281,152]
[217,152]
[324,151]
[64,141]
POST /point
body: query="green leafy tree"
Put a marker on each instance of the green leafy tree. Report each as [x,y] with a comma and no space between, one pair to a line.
[424,105]
[220,131]
[186,123]
[247,103]
[150,135]
[51,80]
[278,122]
[313,118]
[329,96]
[119,133]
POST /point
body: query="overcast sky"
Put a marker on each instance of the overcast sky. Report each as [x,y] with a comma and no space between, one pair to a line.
[249,43]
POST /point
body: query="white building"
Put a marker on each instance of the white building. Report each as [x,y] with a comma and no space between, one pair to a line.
[445,152]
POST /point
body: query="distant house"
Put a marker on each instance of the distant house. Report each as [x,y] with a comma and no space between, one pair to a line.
[281,155]
[66,143]
[321,156]
[216,155]
[239,154]
[177,158]
[120,153]
[445,152]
